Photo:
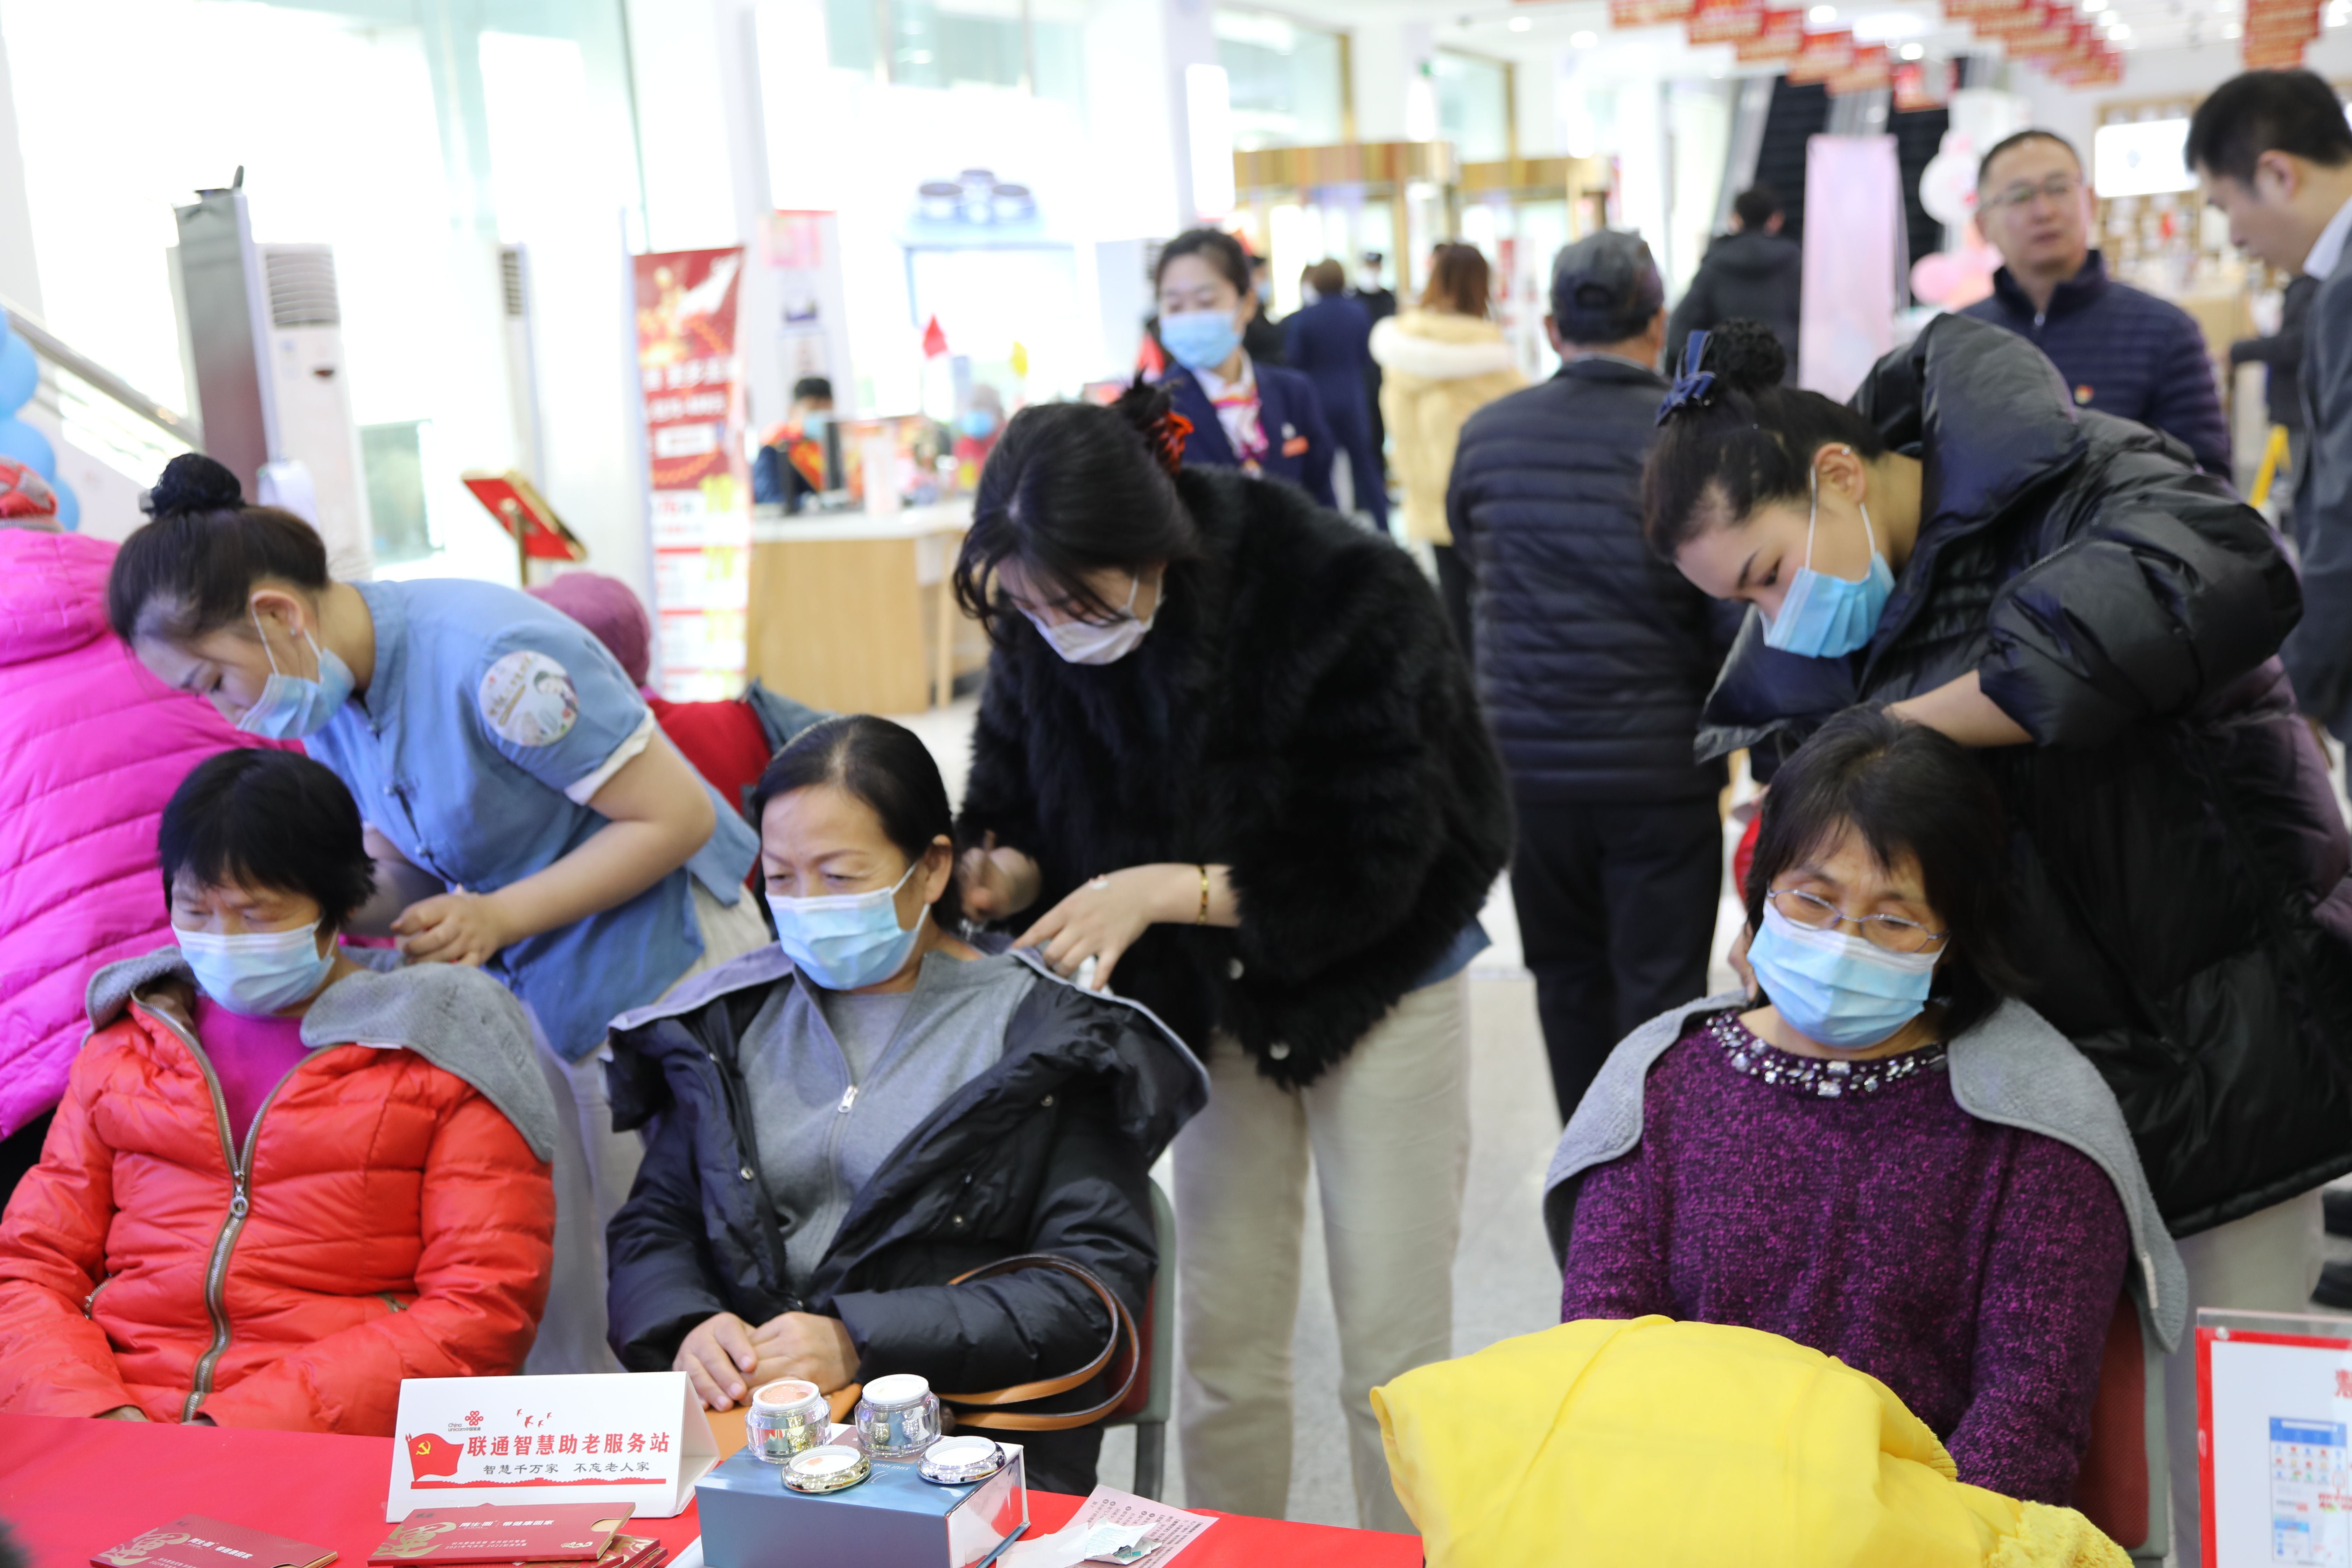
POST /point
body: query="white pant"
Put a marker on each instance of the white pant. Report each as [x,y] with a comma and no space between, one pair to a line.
[1389,1130]
[2267,1262]
[592,1191]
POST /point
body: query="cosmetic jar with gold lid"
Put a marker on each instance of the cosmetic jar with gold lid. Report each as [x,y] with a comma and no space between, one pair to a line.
[787,1416]
[827,1468]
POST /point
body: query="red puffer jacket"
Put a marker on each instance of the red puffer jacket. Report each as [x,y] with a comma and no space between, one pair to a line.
[393,1223]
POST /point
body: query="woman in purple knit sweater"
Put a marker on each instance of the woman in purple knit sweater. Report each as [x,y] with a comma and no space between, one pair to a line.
[1879,1154]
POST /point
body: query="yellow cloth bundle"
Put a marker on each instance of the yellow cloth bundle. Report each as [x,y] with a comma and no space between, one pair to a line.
[1654,1444]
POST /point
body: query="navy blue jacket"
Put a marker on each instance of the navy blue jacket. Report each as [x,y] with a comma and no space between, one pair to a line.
[1594,656]
[2123,352]
[1298,442]
[1329,343]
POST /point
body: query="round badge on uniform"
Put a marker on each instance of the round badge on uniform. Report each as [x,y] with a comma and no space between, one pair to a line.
[527,697]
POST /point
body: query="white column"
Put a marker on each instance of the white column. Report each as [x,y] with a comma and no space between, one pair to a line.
[1135,102]
[1386,62]
[1188,39]
[20,279]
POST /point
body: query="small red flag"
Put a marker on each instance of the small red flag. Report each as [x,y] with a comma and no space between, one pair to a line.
[432,1455]
[935,341]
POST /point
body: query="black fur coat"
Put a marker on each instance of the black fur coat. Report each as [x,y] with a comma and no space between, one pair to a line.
[1299,713]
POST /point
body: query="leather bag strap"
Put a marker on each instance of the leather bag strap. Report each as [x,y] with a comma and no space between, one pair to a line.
[1122,1330]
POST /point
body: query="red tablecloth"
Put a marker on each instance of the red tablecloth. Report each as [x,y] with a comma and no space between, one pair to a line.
[68,1489]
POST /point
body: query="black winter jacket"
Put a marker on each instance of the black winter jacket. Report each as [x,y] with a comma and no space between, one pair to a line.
[2183,907]
[1046,1151]
[1594,655]
[1299,713]
[1751,275]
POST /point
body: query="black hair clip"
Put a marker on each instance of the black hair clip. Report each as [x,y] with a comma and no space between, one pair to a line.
[1694,389]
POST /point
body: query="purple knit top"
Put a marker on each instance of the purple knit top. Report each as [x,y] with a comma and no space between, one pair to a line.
[1971,1268]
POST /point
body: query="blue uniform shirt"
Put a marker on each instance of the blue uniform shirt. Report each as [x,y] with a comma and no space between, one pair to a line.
[489,723]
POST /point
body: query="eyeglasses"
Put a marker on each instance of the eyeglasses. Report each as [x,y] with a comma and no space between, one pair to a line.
[2057,187]
[1891,932]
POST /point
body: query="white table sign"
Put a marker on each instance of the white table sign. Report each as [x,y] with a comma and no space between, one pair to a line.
[2274,1407]
[638,1437]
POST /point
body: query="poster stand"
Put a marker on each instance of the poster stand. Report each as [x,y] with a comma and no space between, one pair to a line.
[538,534]
[2274,1407]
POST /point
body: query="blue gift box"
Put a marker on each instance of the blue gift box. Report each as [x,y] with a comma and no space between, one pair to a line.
[894,1520]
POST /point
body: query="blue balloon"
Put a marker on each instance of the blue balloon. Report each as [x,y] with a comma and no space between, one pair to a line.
[28,447]
[20,372]
[69,507]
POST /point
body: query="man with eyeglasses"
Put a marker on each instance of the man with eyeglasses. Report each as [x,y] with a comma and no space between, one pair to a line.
[2119,350]
[2274,156]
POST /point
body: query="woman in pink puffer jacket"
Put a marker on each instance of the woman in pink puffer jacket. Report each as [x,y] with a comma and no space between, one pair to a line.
[90,748]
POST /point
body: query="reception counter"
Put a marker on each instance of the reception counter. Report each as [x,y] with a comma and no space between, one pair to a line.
[855,613]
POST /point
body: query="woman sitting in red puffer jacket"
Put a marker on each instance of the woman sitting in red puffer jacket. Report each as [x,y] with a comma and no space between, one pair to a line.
[279,1181]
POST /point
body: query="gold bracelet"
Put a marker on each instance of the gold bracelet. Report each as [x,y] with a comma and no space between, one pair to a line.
[1203,919]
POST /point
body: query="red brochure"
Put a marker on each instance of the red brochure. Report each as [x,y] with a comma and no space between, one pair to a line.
[505,1532]
[191,1540]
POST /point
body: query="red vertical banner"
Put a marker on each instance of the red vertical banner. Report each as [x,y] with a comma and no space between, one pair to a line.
[692,377]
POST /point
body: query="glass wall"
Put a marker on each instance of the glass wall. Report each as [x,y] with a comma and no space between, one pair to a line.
[1474,105]
[1039,46]
[1287,82]
[430,132]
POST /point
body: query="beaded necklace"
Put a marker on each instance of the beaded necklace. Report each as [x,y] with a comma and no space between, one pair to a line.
[1811,1077]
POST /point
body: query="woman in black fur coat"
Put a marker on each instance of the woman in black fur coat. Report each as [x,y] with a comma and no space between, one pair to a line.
[1229,752]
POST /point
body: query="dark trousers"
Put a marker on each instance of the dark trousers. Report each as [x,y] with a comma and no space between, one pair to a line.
[1617,904]
[1453,584]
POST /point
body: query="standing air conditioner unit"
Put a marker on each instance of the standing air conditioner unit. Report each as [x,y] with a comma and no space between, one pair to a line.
[263,331]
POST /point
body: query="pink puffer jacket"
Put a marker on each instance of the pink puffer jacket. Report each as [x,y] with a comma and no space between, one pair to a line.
[90,748]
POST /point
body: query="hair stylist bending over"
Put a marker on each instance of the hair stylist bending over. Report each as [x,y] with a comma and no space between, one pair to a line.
[847,1120]
[490,738]
[1230,752]
[2053,586]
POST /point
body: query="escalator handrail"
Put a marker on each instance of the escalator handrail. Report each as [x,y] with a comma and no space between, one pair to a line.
[56,350]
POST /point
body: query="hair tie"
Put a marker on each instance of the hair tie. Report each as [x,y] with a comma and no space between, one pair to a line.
[1694,389]
[1168,434]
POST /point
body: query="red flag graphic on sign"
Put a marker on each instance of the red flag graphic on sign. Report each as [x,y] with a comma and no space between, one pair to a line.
[433,1456]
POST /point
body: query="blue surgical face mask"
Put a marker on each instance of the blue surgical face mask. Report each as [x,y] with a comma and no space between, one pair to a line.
[258,972]
[1838,990]
[1824,617]
[978,423]
[847,941]
[291,707]
[1201,340]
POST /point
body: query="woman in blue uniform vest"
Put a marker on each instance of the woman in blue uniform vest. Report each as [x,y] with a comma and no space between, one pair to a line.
[490,738]
[1259,418]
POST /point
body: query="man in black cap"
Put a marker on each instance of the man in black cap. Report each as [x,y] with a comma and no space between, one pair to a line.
[1593,657]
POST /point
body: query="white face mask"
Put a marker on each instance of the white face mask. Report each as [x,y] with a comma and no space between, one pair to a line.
[1089,642]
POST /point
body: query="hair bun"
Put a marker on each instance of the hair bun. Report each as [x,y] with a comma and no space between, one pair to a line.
[193,482]
[1746,355]
[1144,405]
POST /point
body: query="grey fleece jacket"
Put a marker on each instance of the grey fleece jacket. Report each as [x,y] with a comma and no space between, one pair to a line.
[2012,1070]
[460,1020]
